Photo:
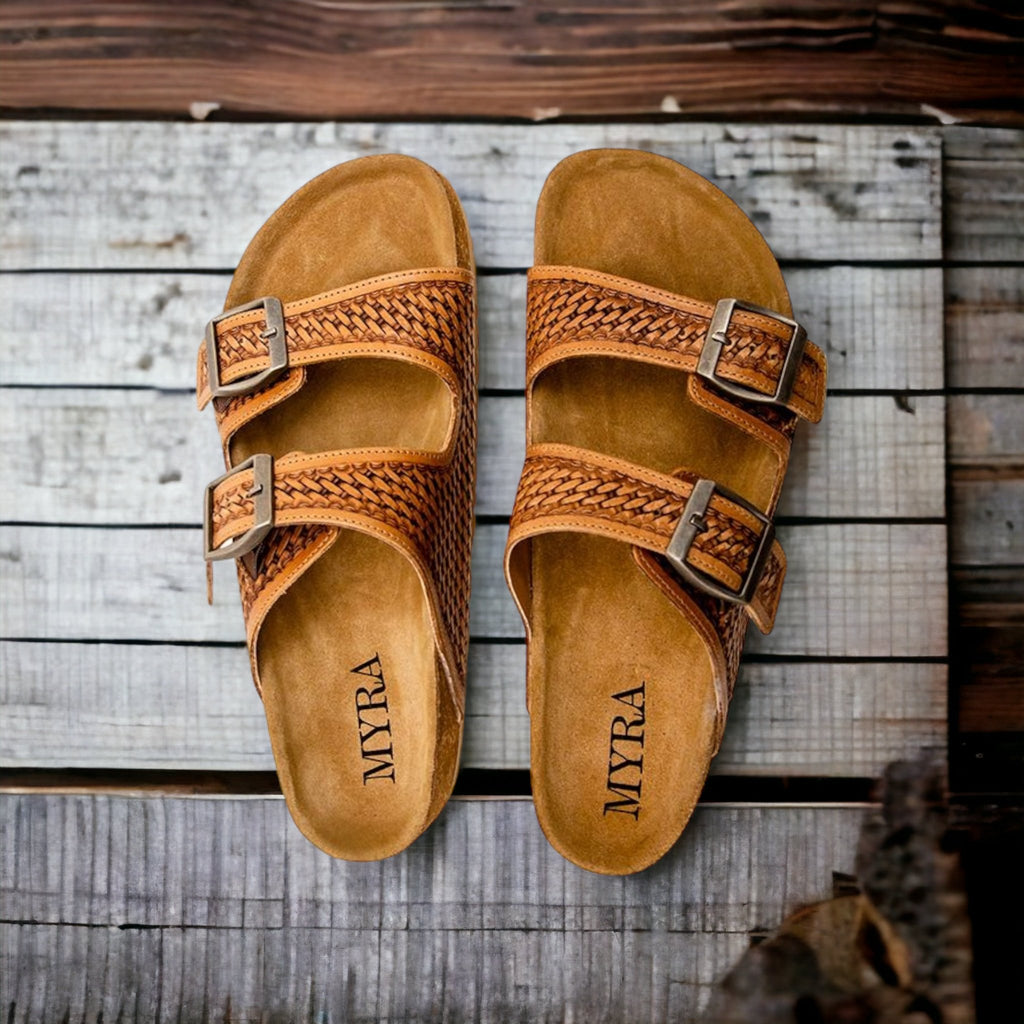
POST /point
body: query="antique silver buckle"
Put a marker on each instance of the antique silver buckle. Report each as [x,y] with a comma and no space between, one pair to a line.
[262,493]
[273,334]
[717,338]
[693,523]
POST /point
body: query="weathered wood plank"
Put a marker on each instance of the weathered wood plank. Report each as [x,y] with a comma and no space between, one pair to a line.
[530,59]
[856,589]
[133,457]
[989,596]
[148,707]
[986,447]
[880,327]
[983,171]
[386,975]
[985,326]
[477,920]
[987,431]
[985,346]
[988,510]
[162,195]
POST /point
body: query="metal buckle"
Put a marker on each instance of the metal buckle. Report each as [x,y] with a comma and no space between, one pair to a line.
[273,334]
[693,523]
[717,338]
[263,508]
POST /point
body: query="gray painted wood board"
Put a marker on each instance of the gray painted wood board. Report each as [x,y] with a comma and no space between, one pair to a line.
[983,186]
[179,908]
[162,195]
[139,457]
[852,590]
[880,327]
[986,456]
[989,511]
[985,326]
[133,706]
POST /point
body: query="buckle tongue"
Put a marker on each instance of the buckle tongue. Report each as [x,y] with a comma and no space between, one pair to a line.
[717,338]
[693,523]
[273,334]
[262,493]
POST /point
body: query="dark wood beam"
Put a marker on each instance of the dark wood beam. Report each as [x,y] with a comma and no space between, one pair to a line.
[517,59]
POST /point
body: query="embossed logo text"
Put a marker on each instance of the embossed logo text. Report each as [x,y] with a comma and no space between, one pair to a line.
[626,754]
[374,723]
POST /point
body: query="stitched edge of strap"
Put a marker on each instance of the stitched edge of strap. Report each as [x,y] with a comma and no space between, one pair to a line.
[615,316]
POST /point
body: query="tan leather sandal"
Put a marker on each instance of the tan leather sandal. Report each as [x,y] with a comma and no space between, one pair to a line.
[343,376]
[661,404]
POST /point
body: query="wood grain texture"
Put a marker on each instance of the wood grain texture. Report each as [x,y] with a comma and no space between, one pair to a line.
[525,58]
[110,444]
[984,194]
[985,325]
[879,327]
[165,195]
[991,701]
[138,457]
[984,199]
[153,707]
[176,908]
[987,431]
[852,590]
[986,459]
[989,512]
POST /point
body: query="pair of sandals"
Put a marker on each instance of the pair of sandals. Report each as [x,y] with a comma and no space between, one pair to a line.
[665,377]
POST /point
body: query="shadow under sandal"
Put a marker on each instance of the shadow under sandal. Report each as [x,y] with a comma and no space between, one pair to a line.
[343,376]
[661,405]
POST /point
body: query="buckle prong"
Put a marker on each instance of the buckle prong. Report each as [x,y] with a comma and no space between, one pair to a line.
[717,338]
[694,521]
[273,333]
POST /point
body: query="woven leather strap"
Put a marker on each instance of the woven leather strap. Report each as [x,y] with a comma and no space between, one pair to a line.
[581,312]
[361,490]
[567,488]
[418,316]
[418,502]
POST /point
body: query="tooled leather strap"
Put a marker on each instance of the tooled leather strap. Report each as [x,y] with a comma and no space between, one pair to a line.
[418,316]
[376,491]
[391,494]
[574,312]
[567,488]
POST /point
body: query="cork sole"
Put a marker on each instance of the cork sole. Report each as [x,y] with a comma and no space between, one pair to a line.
[620,686]
[364,732]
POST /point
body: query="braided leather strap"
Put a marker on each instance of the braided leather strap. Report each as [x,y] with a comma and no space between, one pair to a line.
[568,488]
[381,489]
[587,313]
[419,502]
[405,498]
[419,316]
